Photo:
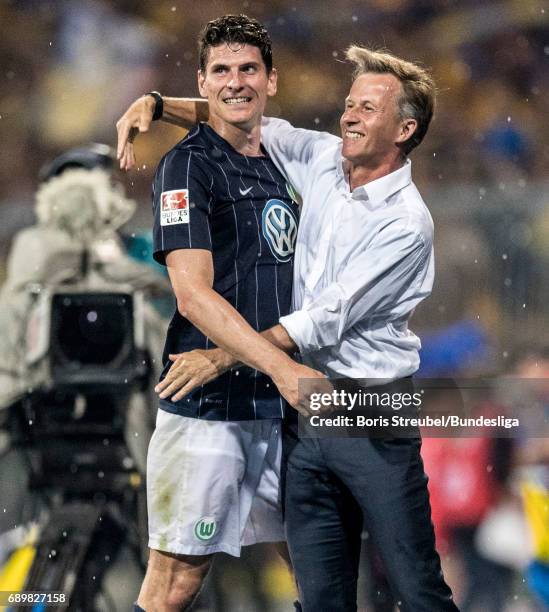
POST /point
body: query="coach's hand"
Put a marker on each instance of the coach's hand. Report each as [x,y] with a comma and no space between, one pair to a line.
[192,369]
[136,119]
[297,393]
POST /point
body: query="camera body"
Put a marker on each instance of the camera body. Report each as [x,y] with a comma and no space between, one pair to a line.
[86,336]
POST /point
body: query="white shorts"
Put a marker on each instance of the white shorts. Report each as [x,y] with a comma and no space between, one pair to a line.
[213,486]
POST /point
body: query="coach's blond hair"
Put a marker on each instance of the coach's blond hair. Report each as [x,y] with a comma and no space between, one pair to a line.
[417,100]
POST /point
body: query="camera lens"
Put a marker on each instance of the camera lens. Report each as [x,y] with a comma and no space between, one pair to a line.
[92,329]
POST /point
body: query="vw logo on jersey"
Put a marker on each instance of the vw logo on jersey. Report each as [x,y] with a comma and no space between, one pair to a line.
[279,229]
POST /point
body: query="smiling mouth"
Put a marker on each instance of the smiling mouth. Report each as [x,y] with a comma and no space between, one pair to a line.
[239,100]
[353,135]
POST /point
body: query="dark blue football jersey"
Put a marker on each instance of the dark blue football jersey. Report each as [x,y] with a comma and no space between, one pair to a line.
[208,196]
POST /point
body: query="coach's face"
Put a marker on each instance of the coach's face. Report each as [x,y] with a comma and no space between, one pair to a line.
[236,84]
[371,126]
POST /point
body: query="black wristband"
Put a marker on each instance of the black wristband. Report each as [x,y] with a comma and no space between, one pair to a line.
[158,106]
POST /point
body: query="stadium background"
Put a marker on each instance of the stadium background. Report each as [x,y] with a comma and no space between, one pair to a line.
[69,69]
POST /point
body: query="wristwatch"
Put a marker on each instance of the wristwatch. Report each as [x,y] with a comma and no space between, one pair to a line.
[158,106]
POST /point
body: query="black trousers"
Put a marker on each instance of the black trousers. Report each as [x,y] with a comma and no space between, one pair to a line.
[335,486]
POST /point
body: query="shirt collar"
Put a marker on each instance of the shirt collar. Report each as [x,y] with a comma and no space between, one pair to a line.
[382,188]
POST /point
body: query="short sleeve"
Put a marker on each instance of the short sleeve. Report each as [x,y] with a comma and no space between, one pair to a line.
[182,201]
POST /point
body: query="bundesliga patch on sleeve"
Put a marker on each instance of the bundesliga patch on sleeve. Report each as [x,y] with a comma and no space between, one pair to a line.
[174,207]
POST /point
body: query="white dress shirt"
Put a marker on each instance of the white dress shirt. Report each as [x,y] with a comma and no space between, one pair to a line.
[363,261]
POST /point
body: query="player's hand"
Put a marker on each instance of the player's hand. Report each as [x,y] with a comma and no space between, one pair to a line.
[136,119]
[296,394]
[192,369]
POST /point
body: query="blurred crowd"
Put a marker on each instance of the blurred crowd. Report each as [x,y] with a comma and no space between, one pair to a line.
[70,68]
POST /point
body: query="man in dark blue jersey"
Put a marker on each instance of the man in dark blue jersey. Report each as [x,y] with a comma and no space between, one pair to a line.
[225,226]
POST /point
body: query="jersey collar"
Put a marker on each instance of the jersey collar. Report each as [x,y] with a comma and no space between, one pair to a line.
[223,144]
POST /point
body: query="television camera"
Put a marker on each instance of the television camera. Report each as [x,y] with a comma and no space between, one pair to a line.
[83,342]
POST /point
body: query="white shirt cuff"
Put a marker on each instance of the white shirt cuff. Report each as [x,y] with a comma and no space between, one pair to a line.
[301,329]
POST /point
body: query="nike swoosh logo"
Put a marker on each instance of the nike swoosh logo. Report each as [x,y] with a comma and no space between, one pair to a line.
[244,192]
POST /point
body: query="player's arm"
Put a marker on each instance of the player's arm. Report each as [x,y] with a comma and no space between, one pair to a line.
[183,112]
[191,274]
[194,368]
[294,149]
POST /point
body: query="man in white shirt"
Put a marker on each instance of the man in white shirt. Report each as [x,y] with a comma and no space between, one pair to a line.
[363,262]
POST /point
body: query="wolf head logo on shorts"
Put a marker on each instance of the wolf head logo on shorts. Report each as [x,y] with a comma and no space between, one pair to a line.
[204,529]
[280,229]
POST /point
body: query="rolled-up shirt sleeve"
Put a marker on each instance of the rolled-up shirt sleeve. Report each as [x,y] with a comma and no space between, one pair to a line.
[383,280]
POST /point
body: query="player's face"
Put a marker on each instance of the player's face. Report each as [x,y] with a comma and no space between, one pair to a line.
[236,84]
[370,125]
